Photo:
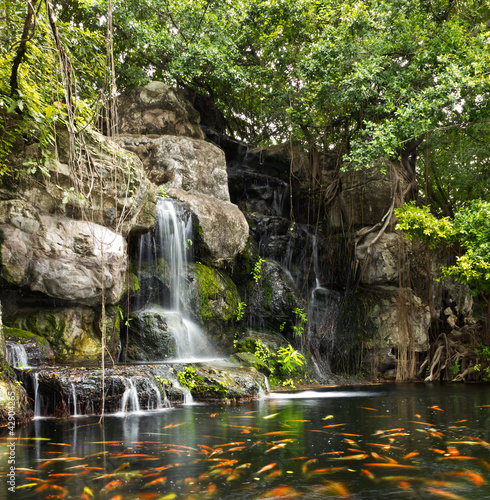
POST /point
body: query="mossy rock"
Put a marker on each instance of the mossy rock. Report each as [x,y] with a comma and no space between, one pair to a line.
[215,298]
[73,334]
[23,336]
[248,359]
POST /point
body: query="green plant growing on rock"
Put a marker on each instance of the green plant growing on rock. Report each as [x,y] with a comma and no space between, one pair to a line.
[289,359]
[241,306]
[301,321]
[483,353]
[257,270]
[188,378]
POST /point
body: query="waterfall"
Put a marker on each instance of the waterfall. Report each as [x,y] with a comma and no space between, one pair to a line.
[162,268]
[130,396]
[74,397]
[16,355]
[37,397]
[158,397]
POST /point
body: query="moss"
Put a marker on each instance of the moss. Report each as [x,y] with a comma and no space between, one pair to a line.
[218,296]
[24,335]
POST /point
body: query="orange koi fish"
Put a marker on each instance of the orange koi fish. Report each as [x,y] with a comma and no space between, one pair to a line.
[267,467]
[444,494]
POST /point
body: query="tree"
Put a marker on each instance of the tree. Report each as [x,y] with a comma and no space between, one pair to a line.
[469,230]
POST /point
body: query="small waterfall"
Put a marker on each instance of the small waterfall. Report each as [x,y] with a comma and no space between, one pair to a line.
[158,398]
[16,355]
[163,257]
[74,398]
[37,397]
[188,399]
[130,396]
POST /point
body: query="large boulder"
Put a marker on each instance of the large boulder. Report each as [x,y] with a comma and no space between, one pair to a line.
[380,260]
[365,195]
[157,109]
[222,229]
[182,162]
[67,259]
[105,184]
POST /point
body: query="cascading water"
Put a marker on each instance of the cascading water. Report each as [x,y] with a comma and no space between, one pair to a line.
[129,400]
[16,355]
[163,257]
[74,397]
[37,397]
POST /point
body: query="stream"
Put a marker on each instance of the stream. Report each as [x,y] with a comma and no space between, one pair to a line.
[389,441]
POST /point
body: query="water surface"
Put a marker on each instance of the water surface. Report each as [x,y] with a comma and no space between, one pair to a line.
[384,442]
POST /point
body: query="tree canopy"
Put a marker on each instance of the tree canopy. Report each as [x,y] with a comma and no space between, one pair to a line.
[407,80]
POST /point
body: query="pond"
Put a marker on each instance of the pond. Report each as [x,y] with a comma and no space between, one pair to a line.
[386,441]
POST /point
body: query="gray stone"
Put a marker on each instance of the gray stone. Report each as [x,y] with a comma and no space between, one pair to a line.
[157,109]
[400,319]
[183,163]
[223,229]
[63,258]
[154,335]
[380,262]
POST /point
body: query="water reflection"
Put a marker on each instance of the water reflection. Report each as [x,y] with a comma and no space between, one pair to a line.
[392,441]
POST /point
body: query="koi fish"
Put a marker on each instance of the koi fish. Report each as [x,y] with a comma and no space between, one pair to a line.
[444,494]
[474,477]
[267,467]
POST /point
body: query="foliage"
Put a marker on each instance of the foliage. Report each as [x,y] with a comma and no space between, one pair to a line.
[483,353]
[470,229]
[289,359]
[188,378]
[257,270]
[301,321]
[280,362]
[240,310]
[32,107]
[420,223]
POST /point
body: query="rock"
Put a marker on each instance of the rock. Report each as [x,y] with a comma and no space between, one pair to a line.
[222,230]
[60,257]
[112,191]
[273,302]
[154,386]
[400,319]
[73,334]
[13,403]
[214,299]
[182,162]
[296,247]
[365,197]
[154,335]
[157,109]
[382,265]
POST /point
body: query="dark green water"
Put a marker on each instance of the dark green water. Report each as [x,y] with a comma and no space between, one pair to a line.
[383,442]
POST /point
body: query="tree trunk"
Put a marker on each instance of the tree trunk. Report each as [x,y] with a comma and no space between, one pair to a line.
[21,49]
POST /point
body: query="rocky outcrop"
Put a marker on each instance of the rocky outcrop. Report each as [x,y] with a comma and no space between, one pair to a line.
[73,260]
[182,162]
[185,167]
[221,231]
[157,110]
[400,319]
[73,333]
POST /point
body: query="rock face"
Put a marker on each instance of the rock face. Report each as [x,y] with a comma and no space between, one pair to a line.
[186,167]
[157,109]
[65,246]
[222,230]
[183,163]
[62,258]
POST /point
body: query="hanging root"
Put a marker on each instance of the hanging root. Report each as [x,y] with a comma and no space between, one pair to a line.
[453,357]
